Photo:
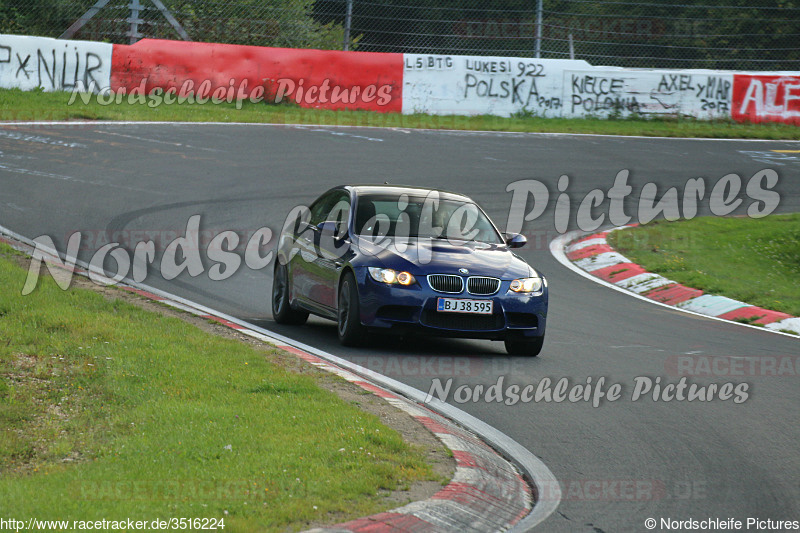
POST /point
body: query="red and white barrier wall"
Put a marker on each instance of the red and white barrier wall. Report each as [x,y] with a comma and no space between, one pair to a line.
[764,97]
[312,78]
[407,83]
[438,84]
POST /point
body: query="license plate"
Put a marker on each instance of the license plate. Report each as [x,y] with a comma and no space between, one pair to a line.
[457,305]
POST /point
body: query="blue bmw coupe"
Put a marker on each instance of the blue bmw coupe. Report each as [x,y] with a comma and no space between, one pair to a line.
[407,259]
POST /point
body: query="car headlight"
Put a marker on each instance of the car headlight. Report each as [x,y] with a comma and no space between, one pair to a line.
[526,285]
[389,276]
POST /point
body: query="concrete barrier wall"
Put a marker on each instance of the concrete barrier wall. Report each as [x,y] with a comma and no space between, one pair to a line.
[504,86]
[54,65]
[475,85]
[311,78]
[607,91]
[472,85]
[407,83]
[764,97]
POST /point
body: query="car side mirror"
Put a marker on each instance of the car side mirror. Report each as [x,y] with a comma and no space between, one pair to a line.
[515,240]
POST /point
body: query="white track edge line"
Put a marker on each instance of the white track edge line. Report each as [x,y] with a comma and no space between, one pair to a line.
[544,480]
[558,244]
[390,128]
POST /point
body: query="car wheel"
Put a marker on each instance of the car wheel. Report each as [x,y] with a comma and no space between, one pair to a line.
[350,330]
[530,347]
[282,310]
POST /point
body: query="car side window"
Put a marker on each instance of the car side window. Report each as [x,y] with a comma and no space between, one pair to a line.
[340,212]
[321,208]
[332,206]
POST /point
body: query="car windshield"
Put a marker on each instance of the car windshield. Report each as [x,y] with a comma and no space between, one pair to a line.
[423,216]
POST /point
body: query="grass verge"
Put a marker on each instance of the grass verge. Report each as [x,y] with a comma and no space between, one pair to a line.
[756,261]
[16,105]
[110,411]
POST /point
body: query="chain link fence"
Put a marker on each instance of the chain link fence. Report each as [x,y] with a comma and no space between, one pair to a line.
[722,34]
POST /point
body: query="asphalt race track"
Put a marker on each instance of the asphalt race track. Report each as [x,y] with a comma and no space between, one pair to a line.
[619,463]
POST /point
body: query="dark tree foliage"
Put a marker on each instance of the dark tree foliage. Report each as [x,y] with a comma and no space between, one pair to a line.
[726,34]
[281,23]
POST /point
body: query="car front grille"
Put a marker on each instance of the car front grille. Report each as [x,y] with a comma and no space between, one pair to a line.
[461,321]
[448,283]
[483,286]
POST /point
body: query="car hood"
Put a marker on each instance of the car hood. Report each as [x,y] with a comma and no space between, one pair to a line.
[429,256]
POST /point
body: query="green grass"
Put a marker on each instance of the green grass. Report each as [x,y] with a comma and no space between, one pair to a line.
[111,411]
[16,105]
[756,261]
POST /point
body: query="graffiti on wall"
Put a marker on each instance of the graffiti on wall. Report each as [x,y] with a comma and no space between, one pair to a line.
[618,92]
[484,85]
[53,65]
[558,88]
[766,99]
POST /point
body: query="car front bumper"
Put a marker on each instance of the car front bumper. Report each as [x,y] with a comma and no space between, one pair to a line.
[413,308]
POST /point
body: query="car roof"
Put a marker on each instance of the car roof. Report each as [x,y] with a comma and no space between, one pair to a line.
[368,190]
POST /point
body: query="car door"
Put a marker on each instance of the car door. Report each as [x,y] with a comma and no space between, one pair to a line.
[303,263]
[315,268]
[330,249]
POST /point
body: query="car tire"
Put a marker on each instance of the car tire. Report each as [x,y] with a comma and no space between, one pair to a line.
[282,310]
[349,328]
[530,347]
